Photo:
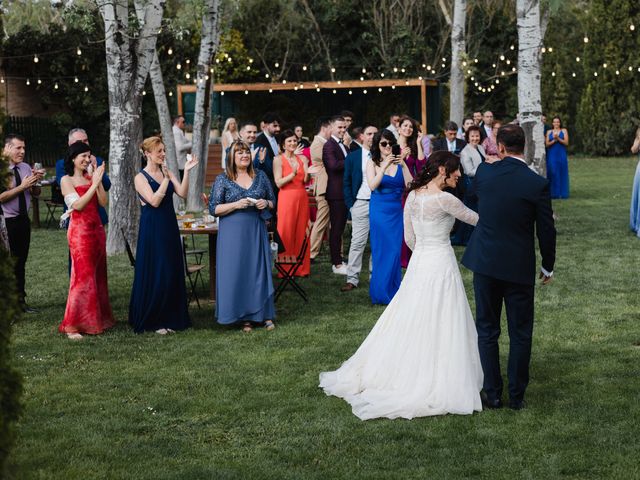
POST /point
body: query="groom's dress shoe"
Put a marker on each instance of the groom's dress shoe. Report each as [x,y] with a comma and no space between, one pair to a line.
[491,404]
[517,404]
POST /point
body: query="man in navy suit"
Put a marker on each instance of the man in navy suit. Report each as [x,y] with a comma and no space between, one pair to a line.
[267,139]
[513,204]
[333,155]
[450,142]
[356,196]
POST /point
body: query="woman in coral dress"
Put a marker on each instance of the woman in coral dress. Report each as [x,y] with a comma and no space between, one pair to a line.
[88,309]
[290,172]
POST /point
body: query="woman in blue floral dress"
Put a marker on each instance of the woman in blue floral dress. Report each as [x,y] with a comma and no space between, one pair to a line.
[242,199]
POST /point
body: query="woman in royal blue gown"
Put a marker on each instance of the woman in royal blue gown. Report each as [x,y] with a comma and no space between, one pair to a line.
[159,295]
[388,176]
[634,222]
[242,198]
[556,142]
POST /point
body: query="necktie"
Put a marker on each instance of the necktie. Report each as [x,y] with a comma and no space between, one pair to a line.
[22,200]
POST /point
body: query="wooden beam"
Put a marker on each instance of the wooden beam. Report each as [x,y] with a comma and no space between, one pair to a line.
[265,87]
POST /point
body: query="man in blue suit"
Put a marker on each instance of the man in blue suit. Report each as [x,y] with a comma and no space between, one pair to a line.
[356,196]
[79,135]
[514,204]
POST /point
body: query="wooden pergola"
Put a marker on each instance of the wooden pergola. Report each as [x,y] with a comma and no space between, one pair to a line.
[421,83]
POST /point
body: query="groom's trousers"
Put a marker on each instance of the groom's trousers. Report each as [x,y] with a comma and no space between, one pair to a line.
[518,300]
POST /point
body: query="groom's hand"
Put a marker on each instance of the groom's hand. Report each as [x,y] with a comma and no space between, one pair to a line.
[545,280]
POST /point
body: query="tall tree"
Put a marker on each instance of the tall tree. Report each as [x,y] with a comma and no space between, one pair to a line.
[529,95]
[458,53]
[130,47]
[202,115]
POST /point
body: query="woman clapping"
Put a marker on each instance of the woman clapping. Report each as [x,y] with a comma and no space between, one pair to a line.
[159,296]
[88,309]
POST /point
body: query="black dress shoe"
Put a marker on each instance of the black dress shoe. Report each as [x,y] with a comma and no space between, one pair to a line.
[491,404]
[27,309]
[516,404]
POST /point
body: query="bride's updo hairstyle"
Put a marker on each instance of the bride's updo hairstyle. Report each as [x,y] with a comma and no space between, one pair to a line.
[442,158]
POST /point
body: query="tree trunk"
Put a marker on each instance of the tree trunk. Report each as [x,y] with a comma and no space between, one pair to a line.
[458,51]
[129,58]
[202,115]
[164,115]
[529,73]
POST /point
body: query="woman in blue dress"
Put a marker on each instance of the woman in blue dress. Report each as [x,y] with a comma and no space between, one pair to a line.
[159,295]
[556,142]
[635,194]
[387,176]
[241,197]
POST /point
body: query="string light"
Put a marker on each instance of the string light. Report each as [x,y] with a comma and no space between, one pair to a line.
[28,82]
[35,59]
[178,66]
[171,94]
[333,70]
[586,39]
[75,80]
[246,92]
[364,91]
[55,87]
[39,82]
[78,51]
[277,65]
[304,68]
[170,51]
[86,89]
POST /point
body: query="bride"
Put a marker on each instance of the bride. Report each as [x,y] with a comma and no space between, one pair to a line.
[421,358]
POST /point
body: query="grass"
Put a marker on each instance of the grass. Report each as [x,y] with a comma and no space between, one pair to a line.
[213,402]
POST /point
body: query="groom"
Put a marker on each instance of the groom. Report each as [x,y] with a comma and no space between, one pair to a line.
[512,200]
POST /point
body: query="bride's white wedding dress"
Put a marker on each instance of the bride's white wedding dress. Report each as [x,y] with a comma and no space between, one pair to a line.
[421,357]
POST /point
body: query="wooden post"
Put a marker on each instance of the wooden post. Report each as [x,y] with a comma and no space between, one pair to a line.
[423,105]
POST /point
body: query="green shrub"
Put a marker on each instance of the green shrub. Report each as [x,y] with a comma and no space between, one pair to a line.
[10,381]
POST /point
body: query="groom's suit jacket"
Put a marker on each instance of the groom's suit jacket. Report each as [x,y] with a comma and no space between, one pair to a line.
[513,201]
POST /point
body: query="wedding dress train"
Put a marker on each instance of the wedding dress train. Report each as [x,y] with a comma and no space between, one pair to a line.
[421,357]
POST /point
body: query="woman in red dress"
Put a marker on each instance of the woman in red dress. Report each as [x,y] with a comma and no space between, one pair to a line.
[88,309]
[290,172]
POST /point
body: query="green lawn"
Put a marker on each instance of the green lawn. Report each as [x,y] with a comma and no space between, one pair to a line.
[213,402]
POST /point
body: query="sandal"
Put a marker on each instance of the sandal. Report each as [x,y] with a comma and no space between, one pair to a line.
[74,336]
[246,327]
[269,325]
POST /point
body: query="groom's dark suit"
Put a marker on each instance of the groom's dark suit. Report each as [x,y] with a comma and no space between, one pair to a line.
[512,200]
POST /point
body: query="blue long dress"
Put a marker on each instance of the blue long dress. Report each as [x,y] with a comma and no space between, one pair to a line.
[558,168]
[244,285]
[159,294]
[386,233]
[635,203]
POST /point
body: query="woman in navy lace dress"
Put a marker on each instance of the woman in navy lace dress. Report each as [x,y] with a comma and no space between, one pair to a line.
[241,197]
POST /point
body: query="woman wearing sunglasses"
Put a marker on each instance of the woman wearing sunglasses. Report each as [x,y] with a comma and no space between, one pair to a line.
[388,176]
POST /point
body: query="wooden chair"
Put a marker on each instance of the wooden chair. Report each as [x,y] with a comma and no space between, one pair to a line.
[288,265]
[56,201]
[192,271]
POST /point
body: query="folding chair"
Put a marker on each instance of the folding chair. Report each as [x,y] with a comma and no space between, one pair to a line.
[192,271]
[56,201]
[132,259]
[288,265]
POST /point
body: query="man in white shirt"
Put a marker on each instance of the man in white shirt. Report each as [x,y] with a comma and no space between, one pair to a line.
[357,195]
[486,125]
[394,123]
[183,145]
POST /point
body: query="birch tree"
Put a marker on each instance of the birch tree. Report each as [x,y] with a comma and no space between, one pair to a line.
[202,115]
[458,52]
[529,73]
[164,115]
[130,47]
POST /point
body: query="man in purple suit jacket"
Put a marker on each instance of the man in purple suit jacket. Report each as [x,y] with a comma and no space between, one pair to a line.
[333,155]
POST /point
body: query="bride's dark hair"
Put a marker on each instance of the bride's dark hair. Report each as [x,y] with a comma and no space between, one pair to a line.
[442,158]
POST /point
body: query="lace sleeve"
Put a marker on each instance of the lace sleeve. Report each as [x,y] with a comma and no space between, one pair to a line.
[455,207]
[409,234]
[216,197]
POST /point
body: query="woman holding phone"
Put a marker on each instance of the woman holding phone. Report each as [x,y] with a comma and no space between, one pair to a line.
[159,295]
[88,309]
[387,176]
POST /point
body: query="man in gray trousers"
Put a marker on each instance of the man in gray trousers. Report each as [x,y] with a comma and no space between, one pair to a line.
[356,196]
